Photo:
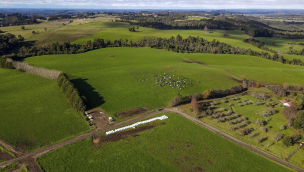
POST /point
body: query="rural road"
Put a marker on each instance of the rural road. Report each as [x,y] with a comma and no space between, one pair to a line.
[37,153]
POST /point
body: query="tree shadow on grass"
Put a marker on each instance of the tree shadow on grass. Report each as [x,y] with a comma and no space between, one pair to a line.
[93,98]
[21,44]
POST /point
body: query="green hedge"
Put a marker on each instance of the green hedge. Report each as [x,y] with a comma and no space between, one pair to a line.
[71,93]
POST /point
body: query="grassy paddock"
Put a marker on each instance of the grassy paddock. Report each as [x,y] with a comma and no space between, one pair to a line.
[35,111]
[179,145]
[282,43]
[56,32]
[250,67]
[116,83]
[233,37]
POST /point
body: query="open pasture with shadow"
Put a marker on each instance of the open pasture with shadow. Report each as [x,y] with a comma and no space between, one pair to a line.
[173,144]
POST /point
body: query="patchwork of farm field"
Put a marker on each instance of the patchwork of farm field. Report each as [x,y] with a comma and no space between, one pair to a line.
[174,144]
[34,111]
[243,106]
[281,44]
[233,37]
[56,32]
[117,79]
[250,67]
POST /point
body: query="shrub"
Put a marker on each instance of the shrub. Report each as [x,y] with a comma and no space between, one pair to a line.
[289,122]
[259,95]
[259,122]
[290,112]
[264,130]
[269,112]
[175,101]
[267,119]
[261,139]
[282,127]
[244,131]
[228,113]
[254,135]
[278,137]
[287,141]
[295,138]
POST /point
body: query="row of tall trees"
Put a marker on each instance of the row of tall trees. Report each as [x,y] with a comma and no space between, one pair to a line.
[179,99]
[175,44]
[260,45]
[251,27]
[39,71]
[71,93]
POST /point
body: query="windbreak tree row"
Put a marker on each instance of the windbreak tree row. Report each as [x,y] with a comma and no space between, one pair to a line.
[71,93]
[175,44]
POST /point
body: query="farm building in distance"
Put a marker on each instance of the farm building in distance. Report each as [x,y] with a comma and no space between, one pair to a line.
[286,103]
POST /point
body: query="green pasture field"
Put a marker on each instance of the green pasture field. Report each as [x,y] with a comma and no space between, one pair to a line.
[249,111]
[56,32]
[179,145]
[281,43]
[251,67]
[35,112]
[298,157]
[233,37]
[116,83]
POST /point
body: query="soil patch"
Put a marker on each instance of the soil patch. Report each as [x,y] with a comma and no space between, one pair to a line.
[31,165]
[172,147]
[111,55]
[198,169]
[122,135]
[100,118]
[22,145]
[5,156]
[131,112]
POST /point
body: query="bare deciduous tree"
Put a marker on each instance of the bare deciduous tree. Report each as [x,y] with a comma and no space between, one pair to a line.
[278,137]
[39,71]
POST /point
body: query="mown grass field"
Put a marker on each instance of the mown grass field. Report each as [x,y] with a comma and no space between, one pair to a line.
[249,111]
[250,67]
[179,145]
[115,83]
[35,112]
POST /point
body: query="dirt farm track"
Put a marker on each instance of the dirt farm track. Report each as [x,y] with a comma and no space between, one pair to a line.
[30,156]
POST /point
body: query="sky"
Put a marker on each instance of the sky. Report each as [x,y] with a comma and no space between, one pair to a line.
[155,4]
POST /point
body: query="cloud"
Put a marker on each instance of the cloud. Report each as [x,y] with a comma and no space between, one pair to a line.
[169,4]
